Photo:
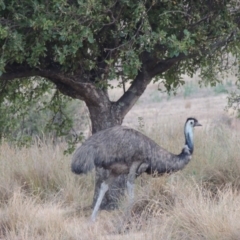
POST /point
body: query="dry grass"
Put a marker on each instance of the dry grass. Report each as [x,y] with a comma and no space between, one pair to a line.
[41,199]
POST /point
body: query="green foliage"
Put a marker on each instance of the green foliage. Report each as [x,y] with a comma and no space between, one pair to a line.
[31,109]
[87,35]
[99,41]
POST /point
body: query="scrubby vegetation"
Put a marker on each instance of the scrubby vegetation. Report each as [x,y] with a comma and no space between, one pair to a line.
[41,199]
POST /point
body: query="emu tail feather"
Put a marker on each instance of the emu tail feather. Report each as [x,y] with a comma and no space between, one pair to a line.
[83,159]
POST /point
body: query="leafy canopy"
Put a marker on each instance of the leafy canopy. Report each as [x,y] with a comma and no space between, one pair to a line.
[104,39]
[97,41]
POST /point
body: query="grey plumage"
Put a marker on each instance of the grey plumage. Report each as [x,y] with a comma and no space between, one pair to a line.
[123,150]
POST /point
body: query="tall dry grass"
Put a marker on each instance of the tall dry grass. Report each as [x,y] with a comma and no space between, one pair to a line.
[41,199]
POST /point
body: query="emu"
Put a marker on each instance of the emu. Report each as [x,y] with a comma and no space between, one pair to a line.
[123,150]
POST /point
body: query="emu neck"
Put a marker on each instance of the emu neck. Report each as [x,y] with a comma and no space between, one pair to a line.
[188,131]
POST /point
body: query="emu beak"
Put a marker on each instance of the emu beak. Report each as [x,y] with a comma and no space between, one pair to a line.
[197,124]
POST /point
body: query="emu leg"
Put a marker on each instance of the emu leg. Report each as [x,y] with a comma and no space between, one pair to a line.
[136,169]
[133,171]
[116,190]
[130,190]
[104,187]
[131,178]
[103,190]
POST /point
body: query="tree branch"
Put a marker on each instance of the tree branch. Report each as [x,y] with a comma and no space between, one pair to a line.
[163,65]
[130,97]
[152,67]
[68,85]
[18,74]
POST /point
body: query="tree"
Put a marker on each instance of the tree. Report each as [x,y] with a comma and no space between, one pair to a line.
[81,45]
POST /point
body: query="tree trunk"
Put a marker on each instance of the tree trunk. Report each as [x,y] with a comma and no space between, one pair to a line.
[103,117]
